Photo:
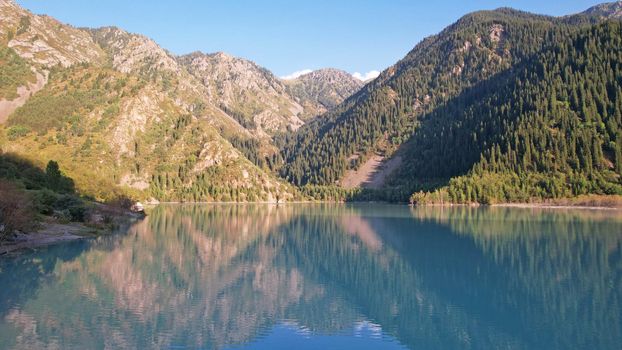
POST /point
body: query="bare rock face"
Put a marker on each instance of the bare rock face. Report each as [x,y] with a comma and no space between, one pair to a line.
[44,40]
[496,33]
[133,118]
[261,101]
[232,72]
[328,87]
[133,52]
[249,93]
[610,10]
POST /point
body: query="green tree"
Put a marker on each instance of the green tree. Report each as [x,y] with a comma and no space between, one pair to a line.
[55,179]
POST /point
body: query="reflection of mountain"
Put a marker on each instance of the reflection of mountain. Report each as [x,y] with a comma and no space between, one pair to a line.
[197,275]
[219,275]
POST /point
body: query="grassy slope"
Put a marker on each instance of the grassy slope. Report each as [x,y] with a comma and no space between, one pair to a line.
[14,72]
[90,119]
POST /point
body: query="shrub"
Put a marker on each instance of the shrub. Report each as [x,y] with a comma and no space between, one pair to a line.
[121,201]
[77,213]
[17,131]
[71,208]
[45,200]
[16,210]
[24,24]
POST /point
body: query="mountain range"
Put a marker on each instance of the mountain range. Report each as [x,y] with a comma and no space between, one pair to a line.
[484,111]
[121,114]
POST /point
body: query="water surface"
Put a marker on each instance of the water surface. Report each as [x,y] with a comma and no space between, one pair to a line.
[325,276]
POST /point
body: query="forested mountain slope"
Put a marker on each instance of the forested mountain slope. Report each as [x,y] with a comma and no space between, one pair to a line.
[550,127]
[385,113]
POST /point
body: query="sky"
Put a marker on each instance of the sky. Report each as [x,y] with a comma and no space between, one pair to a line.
[288,36]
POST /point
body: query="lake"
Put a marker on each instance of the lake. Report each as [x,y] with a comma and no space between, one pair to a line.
[320,276]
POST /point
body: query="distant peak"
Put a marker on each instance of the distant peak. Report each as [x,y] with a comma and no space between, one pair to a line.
[193,55]
[369,76]
[201,56]
[221,55]
[10,4]
[606,10]
[109,29]
[297,74]
[308,73]
[329,71]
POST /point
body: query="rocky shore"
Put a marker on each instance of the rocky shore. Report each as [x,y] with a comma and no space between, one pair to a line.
[102,219]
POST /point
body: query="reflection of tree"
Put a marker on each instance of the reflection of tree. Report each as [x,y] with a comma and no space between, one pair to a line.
[216,275]
[550,276]
[385,287]
[31,272]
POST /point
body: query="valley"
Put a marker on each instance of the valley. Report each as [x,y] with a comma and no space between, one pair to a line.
[122,116]
[241,175]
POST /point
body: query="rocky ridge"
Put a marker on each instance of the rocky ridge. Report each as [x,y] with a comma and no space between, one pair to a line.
[126,103]
[252,95]
[611,10]
[329,87]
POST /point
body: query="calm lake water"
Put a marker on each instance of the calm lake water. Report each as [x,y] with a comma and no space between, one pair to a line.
[325,277]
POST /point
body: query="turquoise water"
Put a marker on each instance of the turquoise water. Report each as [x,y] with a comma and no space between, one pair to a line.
[325,277]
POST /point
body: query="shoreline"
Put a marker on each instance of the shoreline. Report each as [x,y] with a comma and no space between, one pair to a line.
[584,202]
[48,234]
[51,232]
[556,206]
[520,206]
[542,205]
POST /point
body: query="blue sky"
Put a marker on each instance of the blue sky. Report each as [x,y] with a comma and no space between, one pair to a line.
[288,36]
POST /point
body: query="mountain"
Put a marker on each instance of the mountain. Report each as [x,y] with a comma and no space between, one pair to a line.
[550,127]
[29,44]
[124,116]
[252,95]
[262,102]
[612,10]
[121,115]
[327,86]
[383,126]
[383,114]
[133,53]
[44,40]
